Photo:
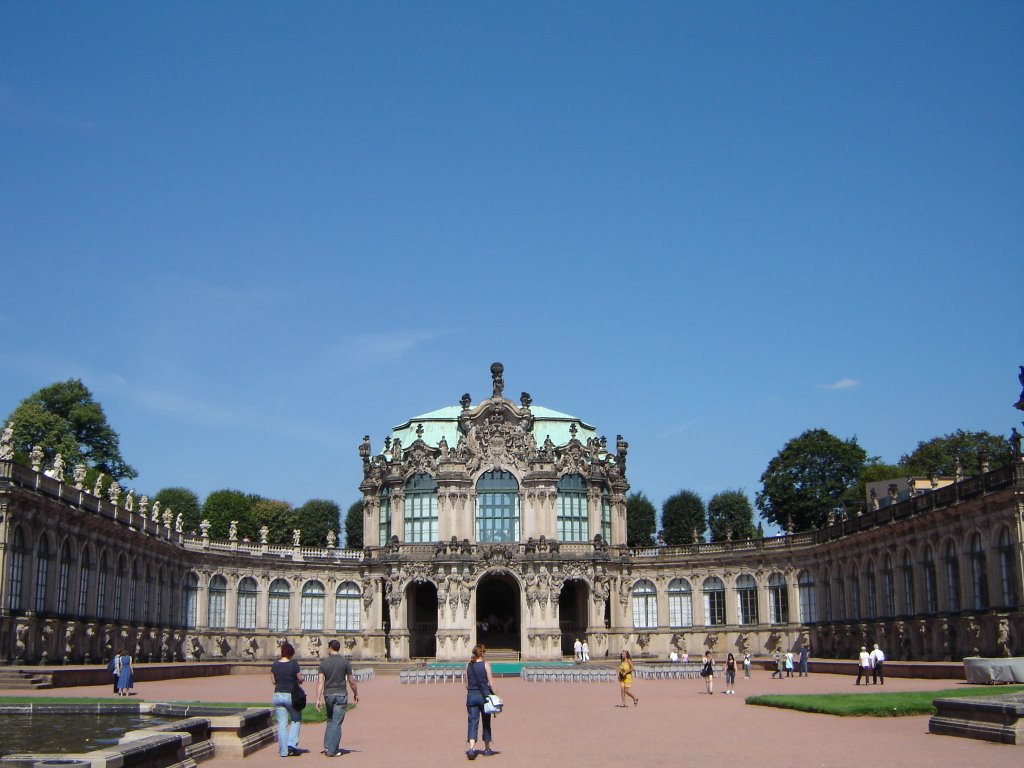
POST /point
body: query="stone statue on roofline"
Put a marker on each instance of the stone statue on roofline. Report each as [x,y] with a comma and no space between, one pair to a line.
[497,380]
[7,442]
[36,458]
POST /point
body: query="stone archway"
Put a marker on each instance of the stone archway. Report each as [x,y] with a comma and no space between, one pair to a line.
[572,613]
[421,599]
[498,614]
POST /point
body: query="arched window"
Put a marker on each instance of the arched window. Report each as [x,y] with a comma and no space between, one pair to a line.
[1007,562]
[573,519]
[311,607]
[420,509]
[746,599]
[931,603]
[888,588]
[147,593]
[218,602]
[606,515]
[952,577]
[778,599]
[42,573]
[497,507]
[101,588]
[346,607]
[841,613]
[808,598]
[134,583]
[190,601]
[826,593]
[64,579]
[17,570]
[645,605]
[855,593]
[84,571]
[119,576]
[277,606]
[714,601]
[680,603]
[979,574]
[248,594]
[384,537]
[909,606]
[871,590]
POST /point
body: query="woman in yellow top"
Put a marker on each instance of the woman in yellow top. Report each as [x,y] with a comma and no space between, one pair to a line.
[626,678]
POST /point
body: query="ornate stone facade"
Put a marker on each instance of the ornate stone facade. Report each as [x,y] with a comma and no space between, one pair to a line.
[504,523]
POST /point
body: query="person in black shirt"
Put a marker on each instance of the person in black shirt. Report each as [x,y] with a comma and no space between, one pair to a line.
[287,679]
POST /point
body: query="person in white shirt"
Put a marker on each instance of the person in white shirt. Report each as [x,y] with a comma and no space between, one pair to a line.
[877,663]
[864,666]
[585,652]
[577,649]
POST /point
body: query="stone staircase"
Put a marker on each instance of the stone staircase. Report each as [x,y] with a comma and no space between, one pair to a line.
[24,678]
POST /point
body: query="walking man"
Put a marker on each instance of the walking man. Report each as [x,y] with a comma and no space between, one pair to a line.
[577,649]
[335,672]
[805,652]
[863,666]
[877,662]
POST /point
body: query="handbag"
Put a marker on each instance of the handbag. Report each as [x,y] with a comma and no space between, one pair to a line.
[298,699]
[492,704]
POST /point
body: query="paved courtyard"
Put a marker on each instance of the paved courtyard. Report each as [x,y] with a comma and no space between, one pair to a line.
[559,724]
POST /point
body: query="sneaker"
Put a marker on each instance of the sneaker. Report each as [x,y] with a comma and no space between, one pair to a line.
[471,754]
[488,752]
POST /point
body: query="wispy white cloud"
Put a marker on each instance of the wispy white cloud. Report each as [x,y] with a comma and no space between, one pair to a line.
[180,405]
[686,426]
[377,348]
[841,384]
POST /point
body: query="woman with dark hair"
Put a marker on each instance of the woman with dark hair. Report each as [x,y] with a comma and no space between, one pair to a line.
[626,678]
[287,679]
[478,685]
[730,674]
[707,671]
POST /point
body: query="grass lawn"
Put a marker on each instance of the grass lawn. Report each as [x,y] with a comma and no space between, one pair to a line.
[877,704]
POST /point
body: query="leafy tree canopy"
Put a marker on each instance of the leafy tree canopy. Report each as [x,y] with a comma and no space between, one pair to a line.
[278,516]
[63,418]
[354,526]
[316,517]
[221,507]
[730,512]
[184,501]
[640,520]
[683,516]
[939,455]
[812,474]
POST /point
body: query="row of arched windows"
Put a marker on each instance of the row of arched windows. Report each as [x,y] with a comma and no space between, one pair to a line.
[713,596]
[497,510]
[112,588]
[312,601]
[906,587]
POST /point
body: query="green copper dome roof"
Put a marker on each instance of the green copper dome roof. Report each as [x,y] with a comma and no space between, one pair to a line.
[445,421]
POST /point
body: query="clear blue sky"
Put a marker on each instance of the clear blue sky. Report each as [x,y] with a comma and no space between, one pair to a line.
[259,231]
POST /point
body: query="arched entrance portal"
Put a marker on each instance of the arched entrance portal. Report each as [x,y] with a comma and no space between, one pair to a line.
[572,613]
[422,619]
[497,612]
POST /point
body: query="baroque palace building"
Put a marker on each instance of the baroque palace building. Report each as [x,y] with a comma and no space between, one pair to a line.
[505,523]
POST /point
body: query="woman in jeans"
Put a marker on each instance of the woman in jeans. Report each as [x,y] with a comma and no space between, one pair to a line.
[478,685]
[287,678]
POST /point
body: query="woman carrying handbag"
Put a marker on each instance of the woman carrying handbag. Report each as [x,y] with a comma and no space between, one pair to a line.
[478,687]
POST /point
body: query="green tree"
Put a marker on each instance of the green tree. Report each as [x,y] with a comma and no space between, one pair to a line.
[681,515]
[939,454]
[812,474]
[730,511]
[184,501]
[280,519]
[640,520]
[316,517]
[221,507]
[63,418]
[354,526]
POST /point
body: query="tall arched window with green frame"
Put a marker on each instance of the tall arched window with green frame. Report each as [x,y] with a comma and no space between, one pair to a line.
[606,515]
[420,509]
[384,536]
[497,507]
[573,517]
